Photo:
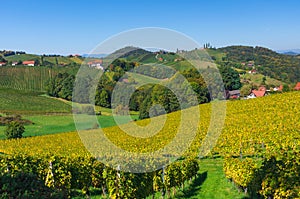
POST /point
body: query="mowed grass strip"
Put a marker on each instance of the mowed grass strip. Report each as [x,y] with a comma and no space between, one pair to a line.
[210,183]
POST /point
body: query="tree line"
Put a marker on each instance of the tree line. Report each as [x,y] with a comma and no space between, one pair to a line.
[184,89]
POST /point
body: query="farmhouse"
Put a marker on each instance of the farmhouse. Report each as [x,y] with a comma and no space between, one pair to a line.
[2,63]
[28,63]
[297,87]
[96,64]
[257,93]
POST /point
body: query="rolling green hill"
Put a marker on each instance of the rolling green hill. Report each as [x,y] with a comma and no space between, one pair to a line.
[277,68]
[22,57]
[267,62]
[274,66]
[45,60]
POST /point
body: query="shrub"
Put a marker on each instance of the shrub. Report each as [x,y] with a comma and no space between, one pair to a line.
[14,130]
[89,110]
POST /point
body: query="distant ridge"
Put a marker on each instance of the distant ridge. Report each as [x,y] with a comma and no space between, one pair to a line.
[290,52]
[94,55]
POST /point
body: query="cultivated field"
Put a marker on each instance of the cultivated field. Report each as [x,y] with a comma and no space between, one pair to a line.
[257,132]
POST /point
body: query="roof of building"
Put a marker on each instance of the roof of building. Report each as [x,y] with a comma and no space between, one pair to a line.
[262,88]
[297,87]
[235,92]
[259,93]
[28,62]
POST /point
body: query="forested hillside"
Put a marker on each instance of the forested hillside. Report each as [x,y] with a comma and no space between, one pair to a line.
[267,62]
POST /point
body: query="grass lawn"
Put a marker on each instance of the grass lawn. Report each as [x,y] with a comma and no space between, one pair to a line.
[51,124]
[49,115]
[212,183]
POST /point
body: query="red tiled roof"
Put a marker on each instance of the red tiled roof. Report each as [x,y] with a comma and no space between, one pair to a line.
[28,62]
[259,93]
[280,88]
[95,62]
[2,62]
[297,87]
[262,88]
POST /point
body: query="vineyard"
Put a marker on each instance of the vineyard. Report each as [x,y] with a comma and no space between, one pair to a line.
[28,78]
[260,144]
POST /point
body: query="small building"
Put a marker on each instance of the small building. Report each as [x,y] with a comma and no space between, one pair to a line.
[297,87]
[235,94]
[2,63]
[257,93]
[28,63]
[253,71]
[14,63]
[96,64]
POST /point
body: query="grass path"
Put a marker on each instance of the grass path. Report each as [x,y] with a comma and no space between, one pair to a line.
[211,183]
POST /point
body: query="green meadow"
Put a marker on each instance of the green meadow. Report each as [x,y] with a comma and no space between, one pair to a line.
[49,115]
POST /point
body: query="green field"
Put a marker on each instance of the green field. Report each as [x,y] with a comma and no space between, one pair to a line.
[29,102]
[256,79]
[52,124]
[60,59]
[22,57]
[272,126]
[49,115]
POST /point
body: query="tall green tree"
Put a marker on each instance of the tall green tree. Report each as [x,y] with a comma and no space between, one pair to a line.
[231,78]
[104,99]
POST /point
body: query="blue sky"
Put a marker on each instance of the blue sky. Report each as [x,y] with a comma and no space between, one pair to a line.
[77,26]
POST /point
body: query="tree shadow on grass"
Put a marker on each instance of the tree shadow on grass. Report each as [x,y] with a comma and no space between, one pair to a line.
[194,188]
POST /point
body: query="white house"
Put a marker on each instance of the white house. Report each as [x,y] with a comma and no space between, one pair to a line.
[14,63]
